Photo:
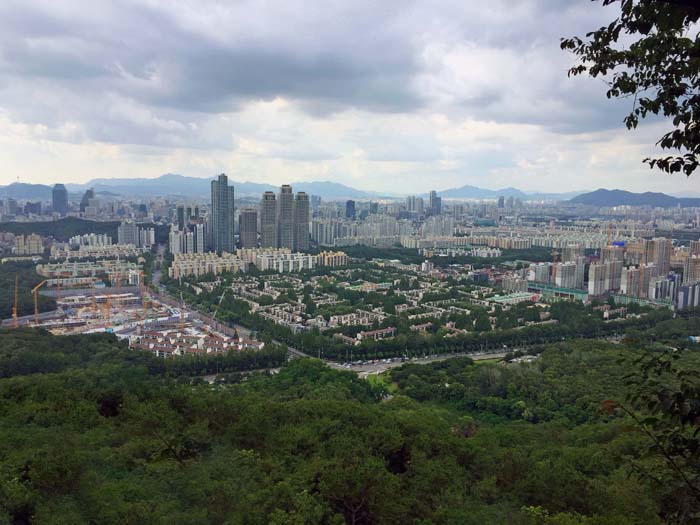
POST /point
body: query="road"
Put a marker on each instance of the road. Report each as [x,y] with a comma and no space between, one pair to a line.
[363,370]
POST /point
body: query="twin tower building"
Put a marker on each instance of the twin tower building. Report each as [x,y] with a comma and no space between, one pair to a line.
[283,219]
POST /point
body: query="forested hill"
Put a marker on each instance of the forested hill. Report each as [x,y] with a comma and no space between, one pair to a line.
[91,432]
[603,197]
[64,229]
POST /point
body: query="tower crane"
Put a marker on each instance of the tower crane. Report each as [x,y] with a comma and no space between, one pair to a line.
[221,299]
[15,322]
[35,291]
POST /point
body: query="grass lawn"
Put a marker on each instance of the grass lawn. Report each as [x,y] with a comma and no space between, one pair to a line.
[383,380]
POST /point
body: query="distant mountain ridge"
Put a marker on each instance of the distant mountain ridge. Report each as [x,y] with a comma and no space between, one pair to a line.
[175,185]
[604,197]
[474,192]
[180,185]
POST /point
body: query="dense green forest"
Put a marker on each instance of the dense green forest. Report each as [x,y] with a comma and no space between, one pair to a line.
[91,432]
[64,229]
[28,279]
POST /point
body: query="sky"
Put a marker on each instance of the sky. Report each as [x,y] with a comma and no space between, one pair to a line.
[395,96]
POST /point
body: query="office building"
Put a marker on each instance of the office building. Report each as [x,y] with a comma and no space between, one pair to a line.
[85,201]
[181,221]
[435,203]
[268,220]
[222,215]
[248,228]
[350,210]
[59,196]
[285,217]
[301,221]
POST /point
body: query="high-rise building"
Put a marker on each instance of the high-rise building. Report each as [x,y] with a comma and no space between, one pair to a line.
[350,209]
[420,206]
[222,218]
[301,221]
[181,220]
[501,201]
[85,201]
[691,269]
[128,233]
[612,253]
[597,274]
[571,252]
[31,208]
[658,251]
[248,228]
[285,218]
[435,203]
[694,247]
[411,203]
[268,220]
[176,241]
[59,196]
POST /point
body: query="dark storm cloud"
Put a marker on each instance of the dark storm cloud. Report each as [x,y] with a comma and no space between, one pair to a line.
[60,63]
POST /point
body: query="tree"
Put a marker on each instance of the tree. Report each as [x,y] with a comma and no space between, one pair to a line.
[663,398]
[659,70]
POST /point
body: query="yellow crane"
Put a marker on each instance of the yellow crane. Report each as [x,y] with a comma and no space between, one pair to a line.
[35,291]
[119,290]
[94,305]
[15,322]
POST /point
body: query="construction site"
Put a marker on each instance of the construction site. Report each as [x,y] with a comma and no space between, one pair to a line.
[157,324]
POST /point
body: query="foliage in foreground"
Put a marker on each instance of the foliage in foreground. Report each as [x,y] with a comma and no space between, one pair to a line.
[104,436]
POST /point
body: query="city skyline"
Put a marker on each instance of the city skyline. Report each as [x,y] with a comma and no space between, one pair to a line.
[438,97]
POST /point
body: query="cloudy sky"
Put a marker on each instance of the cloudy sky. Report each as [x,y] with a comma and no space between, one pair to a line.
[401,96]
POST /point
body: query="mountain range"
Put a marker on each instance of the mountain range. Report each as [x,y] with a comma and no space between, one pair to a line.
[474,192]
[179,185]
[603,197]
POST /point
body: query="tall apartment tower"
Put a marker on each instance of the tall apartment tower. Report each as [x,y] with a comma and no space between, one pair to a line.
[268,220]
[301,221]
[285,218]
[248,228]
[59,196]
[222,218]
[658,251]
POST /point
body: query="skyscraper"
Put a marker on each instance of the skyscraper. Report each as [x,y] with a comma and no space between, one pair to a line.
[658,251]
[222,218]
[248,227]
[85,201]
[501,201]
[181,217]
[60,199]
[285,218]
[301,222]
[268,220]
[350,209]
[435,203]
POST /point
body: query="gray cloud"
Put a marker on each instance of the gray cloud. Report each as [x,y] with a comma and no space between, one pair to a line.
[344,87]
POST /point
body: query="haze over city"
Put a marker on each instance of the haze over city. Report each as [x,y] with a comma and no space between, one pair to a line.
[387,97]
